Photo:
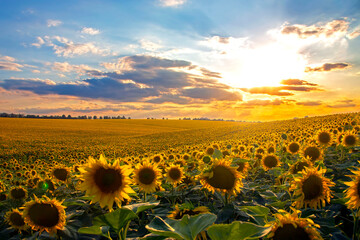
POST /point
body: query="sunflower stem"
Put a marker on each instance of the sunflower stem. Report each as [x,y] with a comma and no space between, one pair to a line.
[144,197]
[355,229]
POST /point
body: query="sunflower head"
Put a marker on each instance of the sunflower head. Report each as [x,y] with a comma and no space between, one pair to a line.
[222,177]
[291,226]
[324,137]
[18,193]
[350,139]
[45,215]
[353,190]
[313,152]
[106,183]
[148,177]
[61,173]
[299,166]
[293,147]
[15,219]
[174,174]
[311,188]
[270,161]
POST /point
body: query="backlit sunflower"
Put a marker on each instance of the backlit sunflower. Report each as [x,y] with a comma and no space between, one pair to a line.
[300,165]
[293,147]
[105,182]
[15,219]
[313,152]
[148,177]
[290,227]
[18,193]
[353,192]
[222,177]
[243,167]
[349,139]
[45,215]
[270,161]
[61,173]
[174,174]
[311,189]
[324,137]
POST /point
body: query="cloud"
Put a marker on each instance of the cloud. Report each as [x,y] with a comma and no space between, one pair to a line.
[296,82]
[280,90]
[172,3]
[260,102]
[66,67]
[144,79]
[342,104]
[327,30]
[67,48]
[8,63]
[327,67]
[90,31]
[354,34]
[53,23]
[309,103]
[149,45]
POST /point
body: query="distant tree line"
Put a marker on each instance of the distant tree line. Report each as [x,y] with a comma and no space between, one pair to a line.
[13,115]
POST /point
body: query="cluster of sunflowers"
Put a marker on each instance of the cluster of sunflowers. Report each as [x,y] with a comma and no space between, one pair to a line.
[292,158]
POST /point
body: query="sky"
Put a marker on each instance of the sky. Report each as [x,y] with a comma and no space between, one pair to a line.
[242,60]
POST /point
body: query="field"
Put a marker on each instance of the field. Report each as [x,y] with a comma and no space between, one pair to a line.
[180,179]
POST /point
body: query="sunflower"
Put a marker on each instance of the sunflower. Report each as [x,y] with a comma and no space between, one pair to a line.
[18,193]
[289,226]
[45,215]
[353,192]
[61,173]
[300,165]
[293,147]
[324,137]
[174,174]
[312,188]
[15,219]
[349,139]
[222,177]
[189,209]
[243,167]
[270,161]
[106,183]
[313,152]
[148,177]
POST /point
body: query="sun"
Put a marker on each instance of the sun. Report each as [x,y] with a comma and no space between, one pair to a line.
[262,66]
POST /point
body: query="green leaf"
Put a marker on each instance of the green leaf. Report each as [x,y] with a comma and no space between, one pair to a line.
[96,230]
[237,230]
[116,220]
[258,213]
[187,228]
[140,207]
[217,154]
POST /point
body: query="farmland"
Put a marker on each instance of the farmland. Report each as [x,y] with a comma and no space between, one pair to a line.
[181,179]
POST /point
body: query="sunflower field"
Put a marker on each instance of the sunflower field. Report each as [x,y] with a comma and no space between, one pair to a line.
[180,179]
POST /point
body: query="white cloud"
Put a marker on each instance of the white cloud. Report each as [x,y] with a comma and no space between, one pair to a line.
[149,45]
[172,3]
[8,63]
[90,31]
[67,48]
[66,67]
[53,23]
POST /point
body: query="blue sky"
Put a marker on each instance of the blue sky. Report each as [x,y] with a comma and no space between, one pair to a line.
[175,58]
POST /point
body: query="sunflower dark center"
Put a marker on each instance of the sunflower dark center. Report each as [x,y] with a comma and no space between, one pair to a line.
[147,176]
[289,232]
[210,151]
[271,150]
[299,166]
[358,189]
[312,152]
[350,140]
[61,173]
[44,215]
[270,161]
[174,173]
[324,137]
[157,159]
[294,147]
[108,180]
[16,219]
[222,178]
[18,193]
[312,187]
